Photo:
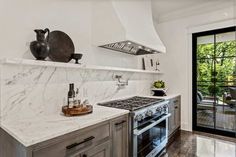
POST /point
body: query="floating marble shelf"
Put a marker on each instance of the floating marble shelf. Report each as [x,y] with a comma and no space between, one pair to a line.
[71,65]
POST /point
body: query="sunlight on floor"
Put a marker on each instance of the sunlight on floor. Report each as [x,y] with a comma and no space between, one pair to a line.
[208,147]
[198,144]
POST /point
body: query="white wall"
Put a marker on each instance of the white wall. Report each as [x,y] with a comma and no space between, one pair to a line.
[177,62]
[18,19]
[43,89]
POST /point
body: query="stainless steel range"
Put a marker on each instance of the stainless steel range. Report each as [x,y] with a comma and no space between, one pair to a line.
[148,124]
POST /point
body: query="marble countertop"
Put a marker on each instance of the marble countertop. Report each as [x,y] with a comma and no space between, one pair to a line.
[34,130]
[39,129]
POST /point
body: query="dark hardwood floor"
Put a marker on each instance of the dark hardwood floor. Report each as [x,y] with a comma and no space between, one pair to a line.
[197,144]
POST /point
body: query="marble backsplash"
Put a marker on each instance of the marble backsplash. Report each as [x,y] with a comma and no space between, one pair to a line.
[28,91]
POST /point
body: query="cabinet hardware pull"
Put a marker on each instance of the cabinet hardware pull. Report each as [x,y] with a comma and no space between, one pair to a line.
[176,101]
[123,121]
[84,141]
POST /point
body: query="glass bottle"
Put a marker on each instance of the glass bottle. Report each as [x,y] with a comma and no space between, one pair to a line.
[71,96]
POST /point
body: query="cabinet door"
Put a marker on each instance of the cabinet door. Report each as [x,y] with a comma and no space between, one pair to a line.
[171,119]
[102,150]
[177,112]
[120,137]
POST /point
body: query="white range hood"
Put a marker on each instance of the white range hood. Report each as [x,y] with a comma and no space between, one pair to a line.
[125,26]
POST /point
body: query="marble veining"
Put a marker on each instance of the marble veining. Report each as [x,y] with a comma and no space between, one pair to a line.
[32,97]
[42,128]
[32,90]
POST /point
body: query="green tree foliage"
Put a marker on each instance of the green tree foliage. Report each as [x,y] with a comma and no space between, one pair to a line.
[220,58]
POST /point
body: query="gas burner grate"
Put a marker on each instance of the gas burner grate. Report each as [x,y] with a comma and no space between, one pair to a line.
[133,103]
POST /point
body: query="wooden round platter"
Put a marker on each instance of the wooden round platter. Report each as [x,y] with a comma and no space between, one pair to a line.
[77,111]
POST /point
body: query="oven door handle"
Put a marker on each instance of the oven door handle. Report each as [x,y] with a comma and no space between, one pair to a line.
[139,132]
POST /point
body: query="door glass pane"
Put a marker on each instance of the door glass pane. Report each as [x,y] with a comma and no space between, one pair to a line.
[226,82]
[225,44]
[205,47]
[226,69]
[216,81]
[205,67]
[205,116]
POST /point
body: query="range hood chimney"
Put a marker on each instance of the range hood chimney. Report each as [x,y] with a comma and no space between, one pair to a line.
[125,26]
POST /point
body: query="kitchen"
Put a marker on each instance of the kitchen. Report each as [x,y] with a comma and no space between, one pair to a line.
[33,92]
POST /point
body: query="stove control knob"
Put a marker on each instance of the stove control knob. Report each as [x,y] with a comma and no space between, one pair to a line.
[165,108]
[159,109]
[149,113]
[138,118]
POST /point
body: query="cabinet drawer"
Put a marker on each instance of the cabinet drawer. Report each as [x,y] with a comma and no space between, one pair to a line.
[74,144]
[102,150]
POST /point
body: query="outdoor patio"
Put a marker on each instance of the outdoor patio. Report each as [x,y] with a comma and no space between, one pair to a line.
[225,118]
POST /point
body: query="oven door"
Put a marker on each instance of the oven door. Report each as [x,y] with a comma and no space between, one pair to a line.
[150,139]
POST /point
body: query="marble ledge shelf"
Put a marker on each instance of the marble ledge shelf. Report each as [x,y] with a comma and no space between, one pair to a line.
[71,65]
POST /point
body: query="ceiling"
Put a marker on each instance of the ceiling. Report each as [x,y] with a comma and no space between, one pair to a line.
[162,8]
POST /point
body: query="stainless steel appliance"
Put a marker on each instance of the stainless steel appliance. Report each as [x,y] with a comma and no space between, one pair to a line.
[130,48]
[127,31]
[148,124]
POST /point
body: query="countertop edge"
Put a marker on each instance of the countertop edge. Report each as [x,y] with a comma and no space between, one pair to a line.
[44,139]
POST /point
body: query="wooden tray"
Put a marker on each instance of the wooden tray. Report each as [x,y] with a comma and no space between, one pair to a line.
[77,111]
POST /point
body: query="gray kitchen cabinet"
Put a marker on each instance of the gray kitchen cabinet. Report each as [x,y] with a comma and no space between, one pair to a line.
[174,119]
[120,137]
[75,144]
[171,120]
[177,112]
[105,139]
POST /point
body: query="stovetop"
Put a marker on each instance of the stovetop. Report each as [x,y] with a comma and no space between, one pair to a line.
[133,103]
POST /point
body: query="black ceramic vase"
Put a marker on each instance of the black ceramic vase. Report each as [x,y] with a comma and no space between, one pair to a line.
[40,47]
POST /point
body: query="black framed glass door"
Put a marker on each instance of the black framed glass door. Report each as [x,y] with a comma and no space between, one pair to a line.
[214,81]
